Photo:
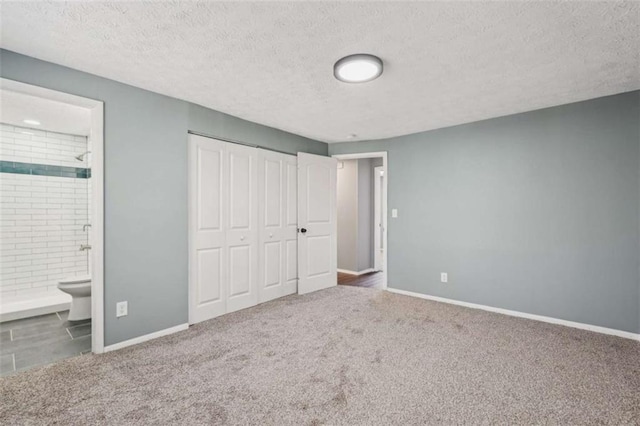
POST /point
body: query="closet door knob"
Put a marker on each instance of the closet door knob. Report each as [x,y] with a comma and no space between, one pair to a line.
[241,238]
[303,230]
[270,235]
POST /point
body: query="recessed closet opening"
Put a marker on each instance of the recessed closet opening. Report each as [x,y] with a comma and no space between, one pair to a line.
[262,225]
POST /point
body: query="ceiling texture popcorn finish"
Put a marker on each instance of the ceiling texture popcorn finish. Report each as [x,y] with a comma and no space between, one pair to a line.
[446,63]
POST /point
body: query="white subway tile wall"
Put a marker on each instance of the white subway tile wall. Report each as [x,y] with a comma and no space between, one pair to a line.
[41,217]
[36,146]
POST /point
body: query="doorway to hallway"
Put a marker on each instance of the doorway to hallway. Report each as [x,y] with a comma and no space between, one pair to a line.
[362,219]
[369,280]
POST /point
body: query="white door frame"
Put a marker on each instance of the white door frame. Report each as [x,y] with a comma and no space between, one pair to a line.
[385,164]
[97,196]
[378,215]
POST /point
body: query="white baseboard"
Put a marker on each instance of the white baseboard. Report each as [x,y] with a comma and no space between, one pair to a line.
[146,337]
[589,327]
[364,271]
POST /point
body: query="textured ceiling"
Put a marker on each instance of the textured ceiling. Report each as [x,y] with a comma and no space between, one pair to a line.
[446,63]
[53,115]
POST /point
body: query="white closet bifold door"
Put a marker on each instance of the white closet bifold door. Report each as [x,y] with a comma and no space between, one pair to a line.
[277,221]
[242,230]
[207,252]
[291,226]
[243,246]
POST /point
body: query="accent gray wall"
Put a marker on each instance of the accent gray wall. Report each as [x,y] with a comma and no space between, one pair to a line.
[365,214]
[535,212]
[347,215]
[146,188]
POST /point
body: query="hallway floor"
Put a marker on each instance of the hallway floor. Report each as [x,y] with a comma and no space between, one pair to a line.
[370,280]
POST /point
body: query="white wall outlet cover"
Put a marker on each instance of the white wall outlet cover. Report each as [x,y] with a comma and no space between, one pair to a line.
[394,212]
[444,277]
[122,309]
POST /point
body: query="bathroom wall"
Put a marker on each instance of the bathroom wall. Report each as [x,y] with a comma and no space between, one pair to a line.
[44,203]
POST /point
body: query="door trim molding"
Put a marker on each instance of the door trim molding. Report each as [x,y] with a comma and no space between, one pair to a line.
[378,215]
[385,197]
[541,318]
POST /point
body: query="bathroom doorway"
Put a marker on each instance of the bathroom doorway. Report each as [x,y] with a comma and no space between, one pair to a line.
[51,187]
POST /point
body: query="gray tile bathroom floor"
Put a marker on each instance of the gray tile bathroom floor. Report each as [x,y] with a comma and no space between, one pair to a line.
[41,340]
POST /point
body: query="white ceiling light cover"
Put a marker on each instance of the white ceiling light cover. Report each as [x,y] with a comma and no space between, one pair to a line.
[359,68]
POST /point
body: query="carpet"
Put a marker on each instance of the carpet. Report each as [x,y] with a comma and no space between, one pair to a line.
[350,356]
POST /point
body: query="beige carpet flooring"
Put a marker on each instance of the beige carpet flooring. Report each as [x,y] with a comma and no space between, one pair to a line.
[351,356]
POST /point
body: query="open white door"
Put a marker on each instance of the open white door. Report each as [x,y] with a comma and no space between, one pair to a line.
[317,224]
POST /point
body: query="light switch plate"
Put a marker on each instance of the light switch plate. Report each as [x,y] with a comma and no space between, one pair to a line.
[444,277]
[394,212]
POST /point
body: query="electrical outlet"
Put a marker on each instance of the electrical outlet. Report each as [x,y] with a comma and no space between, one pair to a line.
[444,277]
[122,309]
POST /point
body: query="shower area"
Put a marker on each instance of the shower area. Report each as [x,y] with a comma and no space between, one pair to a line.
[45,187]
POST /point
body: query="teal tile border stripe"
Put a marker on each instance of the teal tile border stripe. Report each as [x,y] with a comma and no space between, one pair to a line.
[44,170]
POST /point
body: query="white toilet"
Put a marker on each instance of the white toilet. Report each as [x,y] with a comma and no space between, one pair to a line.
[80,290]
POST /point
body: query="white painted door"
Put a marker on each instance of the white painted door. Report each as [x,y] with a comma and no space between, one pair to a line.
[291,226]
[242,230]
[207,257]
[317,246]
[378,211]
[277,221]
[271,225]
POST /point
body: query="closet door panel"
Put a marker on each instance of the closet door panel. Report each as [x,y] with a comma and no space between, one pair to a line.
[271,222]
[207,194]
[272,260]
[242,232]
[290,265]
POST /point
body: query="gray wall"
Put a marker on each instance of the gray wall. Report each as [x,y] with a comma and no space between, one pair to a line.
[365,214]
[347,217]
[535,212]
[355,215]
[146,188]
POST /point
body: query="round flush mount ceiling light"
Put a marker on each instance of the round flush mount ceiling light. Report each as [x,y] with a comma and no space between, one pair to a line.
[358,68]
[32,122]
